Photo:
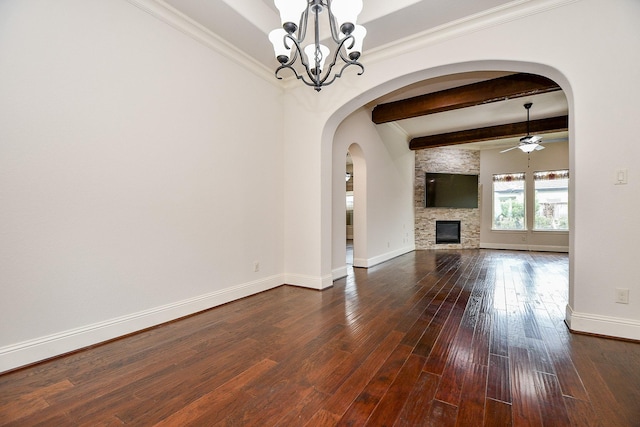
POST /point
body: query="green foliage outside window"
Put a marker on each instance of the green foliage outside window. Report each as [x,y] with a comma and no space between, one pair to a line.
[511,216]
[547,219]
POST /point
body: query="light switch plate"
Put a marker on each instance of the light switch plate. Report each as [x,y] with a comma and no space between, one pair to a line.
[622,296]
[621,176]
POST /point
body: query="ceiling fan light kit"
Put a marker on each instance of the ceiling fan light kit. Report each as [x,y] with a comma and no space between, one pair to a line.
[528,148]
[346,35]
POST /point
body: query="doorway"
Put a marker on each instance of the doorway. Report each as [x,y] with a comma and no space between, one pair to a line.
[349,179]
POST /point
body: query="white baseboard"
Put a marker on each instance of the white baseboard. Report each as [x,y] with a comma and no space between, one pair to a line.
[35,350]
[339,273]
[379,259]
[602,325]
[524,247]
[311,282]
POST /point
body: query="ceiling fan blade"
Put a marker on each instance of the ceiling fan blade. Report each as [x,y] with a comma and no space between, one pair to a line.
[539,147]
[546,141]
[508,149]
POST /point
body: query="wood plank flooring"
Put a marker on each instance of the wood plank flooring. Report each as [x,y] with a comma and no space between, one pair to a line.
[433,338]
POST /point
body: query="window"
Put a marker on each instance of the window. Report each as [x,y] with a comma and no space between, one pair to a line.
[552,200]
[508,202]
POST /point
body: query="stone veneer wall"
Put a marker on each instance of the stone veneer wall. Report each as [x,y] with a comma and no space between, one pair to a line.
[447,160]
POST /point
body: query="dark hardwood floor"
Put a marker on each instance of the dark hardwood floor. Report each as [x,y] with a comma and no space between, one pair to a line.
[442,338]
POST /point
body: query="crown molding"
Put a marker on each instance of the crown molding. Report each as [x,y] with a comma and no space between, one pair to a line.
[512,11]
[494,17]
[181,22]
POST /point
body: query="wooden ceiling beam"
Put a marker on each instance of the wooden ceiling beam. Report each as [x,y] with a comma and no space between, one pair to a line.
[553,124]
[499,89]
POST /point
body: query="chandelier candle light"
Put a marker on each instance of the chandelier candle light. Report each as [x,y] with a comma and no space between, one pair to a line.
[346,35]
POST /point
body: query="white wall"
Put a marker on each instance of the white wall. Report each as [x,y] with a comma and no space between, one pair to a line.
[140,176]
[596,66]
[555,156]
[383,193]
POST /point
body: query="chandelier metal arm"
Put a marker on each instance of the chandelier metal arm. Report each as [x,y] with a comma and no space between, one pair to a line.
[296,51]
[313,80]
[347,62]
[339,74]
[295,73]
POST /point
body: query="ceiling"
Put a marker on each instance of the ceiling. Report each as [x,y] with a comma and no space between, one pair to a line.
[246,24]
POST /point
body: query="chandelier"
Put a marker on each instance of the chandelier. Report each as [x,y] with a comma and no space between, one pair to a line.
[346,35]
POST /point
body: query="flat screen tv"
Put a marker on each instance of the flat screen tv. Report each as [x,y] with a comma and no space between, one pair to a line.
[451,190]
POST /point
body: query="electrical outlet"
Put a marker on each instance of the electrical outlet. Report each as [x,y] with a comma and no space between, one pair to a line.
[622,296]
[256,266]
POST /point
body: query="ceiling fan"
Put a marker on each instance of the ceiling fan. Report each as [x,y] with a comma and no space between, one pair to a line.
[529,142]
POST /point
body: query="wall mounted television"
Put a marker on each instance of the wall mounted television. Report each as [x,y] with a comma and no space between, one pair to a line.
[451,190]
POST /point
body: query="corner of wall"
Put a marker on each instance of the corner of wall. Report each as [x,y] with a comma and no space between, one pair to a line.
[602,325]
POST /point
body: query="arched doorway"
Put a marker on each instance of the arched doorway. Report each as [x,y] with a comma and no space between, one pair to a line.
[349,213]
[440,74]
[359,207]
[349,178]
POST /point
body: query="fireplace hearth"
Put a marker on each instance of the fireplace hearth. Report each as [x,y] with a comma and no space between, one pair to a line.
[447,232]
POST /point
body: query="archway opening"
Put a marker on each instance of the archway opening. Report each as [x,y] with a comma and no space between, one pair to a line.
[440,76]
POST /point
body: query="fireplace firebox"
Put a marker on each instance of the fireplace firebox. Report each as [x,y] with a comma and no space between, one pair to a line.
[447,232]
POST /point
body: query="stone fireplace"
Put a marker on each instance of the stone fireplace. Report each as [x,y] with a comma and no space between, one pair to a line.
[447,160]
